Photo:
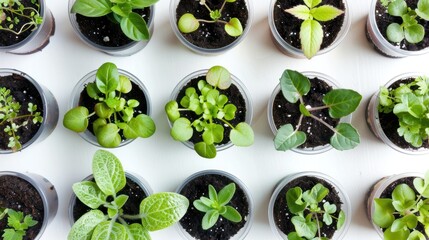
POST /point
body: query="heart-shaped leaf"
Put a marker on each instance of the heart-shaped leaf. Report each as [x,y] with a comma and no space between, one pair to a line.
[205,150]
[242,135]
[234,28]
[76,119]
[182,130]
[219,76]
[188,23]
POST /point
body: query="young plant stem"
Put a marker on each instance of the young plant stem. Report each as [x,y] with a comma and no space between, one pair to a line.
[223,5]
[133,217]
[317,108]
[323,122]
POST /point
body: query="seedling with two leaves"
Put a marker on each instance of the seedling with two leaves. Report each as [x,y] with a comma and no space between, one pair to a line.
[13,12]
[17,224]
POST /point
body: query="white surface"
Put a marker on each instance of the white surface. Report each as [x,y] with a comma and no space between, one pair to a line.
[65,158]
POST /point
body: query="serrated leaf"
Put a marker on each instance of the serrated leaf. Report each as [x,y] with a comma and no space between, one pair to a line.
[135,27]
[242,135]
[234,27]
[294,85]
[85,225]
[341,102]
[300,11]
[218,76]
[312,3]
[345,137]
[108,172]
[91,8]
[76,119]
[311,35]
[326,13]
[188,23]
[89,194]
[287,138]
[182,130]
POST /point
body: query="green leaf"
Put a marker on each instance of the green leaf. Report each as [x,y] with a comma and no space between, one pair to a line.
[294,200]
[341,102]
[172,110]
[299,11]
[304,227]
[76,119]
[294,85]
[399,235]
[139,4]
[138,232]
[106,230]
[341,219]
[107,78]
[85,225]
[205,150]
[161,210]
[312,3]
[108,136]
[423,9]
[89,194]
[122,10]
[141,126]
[200,206]
[188,23]
[395,33]
[219,76]
[210,219]
[108,172]
[121,200]
[91,8]
[422,186]
[383,212]
[317,193]
[345,137]
[397,8]
[294,236]
[92,90]
[213,133]
[12,234]
[229,110]
[98,124]
[416,235]
[403,197]
[288,138]
[242,135]
[226,194]
[326,13]
[124,85]
[234,27]
[311,35]
[213,194]
[232,214]
[414,33]
[102,110]
[134,27]
[182,130]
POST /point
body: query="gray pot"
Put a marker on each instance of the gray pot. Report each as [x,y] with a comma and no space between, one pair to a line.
[50,109]
[47,193]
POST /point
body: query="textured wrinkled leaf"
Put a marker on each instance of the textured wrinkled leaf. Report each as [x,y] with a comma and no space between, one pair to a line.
[242,135]
[85,225]
[108,231]
[287,138]
[91,8]
[205,150]
[138,232]
[89,194]
[345,137]
[181,130]
[311,35]
[234,27]
[325,13]
[294,85]
[135,27]
[108,172]
[76,119]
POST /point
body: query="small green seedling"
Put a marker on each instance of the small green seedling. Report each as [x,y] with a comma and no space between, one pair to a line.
[340,102]
[12,12]
[157,211]
[310,211]
[12,118]
[17,224]
[216,205]
[188,23]
[213,111]
[402,215]
[311,32]
[411,28]
[410,103]
[120,11]
[115,113]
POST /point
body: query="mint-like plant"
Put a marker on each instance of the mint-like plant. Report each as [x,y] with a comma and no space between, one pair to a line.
[120,11]
[188,23]
[311,32]
[410,29]
[402,214]
[213,111]
[340,102]
[17,224]
[12,118]
[310,211]
[157,211]
[12,12]
[216,205]
[115,113]
[409,102]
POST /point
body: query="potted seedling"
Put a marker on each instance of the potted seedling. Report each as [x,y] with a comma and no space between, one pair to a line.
[25,26]
[309,205]
[210,27]
[221,207]
[397,28]
[109,108]
[28,111]
[108,218]
[114,27]
[310,27]
[28,203]
[398,206]
[397,113]
[209,111]
[309,116]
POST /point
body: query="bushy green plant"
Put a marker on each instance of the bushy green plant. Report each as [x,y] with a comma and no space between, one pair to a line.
[405,214]
[409,102]
[410,29]
[340,102]
[120,11]
[12,12]
[310,211]
[188,23]
[216,205]
[157,211]
[12,118]
[115,113]
[210,106]
[311,32]
[17,224]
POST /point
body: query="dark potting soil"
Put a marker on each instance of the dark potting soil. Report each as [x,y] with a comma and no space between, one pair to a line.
[317,133]
[383,20]
[223,229]
[23,92]
[212,35]
[283,217]
[234,97]
[132,207]
[389,123]
[135,93]
[107,32]
[20,195]
[288,26]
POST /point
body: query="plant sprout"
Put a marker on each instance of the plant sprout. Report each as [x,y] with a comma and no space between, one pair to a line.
[340,102]
[14,119]
[17,224]
[311,32]
[12,12]
[216,205]
[188,23]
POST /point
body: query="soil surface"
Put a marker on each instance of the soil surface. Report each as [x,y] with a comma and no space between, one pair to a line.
[105,31]
[234,97]
[22,92]
[132,207]
[317,133]
[383,20]
[288,26]
[282,216]
[212,35]
[223,229]
[20,195]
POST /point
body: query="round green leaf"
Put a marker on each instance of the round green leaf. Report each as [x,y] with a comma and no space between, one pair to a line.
[140,126]
[287,138]
[85,225]
[229,111]
[234,28]
[107,77]
[213,133]
[92,90]
[395,33]
[423,9]
[416,235]
[108,172]
[311,35]
[219,76]
[383,212]
[108,136]
[341,219]
[414,33]
[172,110]
[102,110]
[342,102]
[242,135]
[182,130]
[134,27]
[76,119]
[91,8]
[205,150]
[345,137]
[188,23]
[124,85]
[294,85]
[397,8]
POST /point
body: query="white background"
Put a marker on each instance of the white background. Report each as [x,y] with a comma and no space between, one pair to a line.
[65,158]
